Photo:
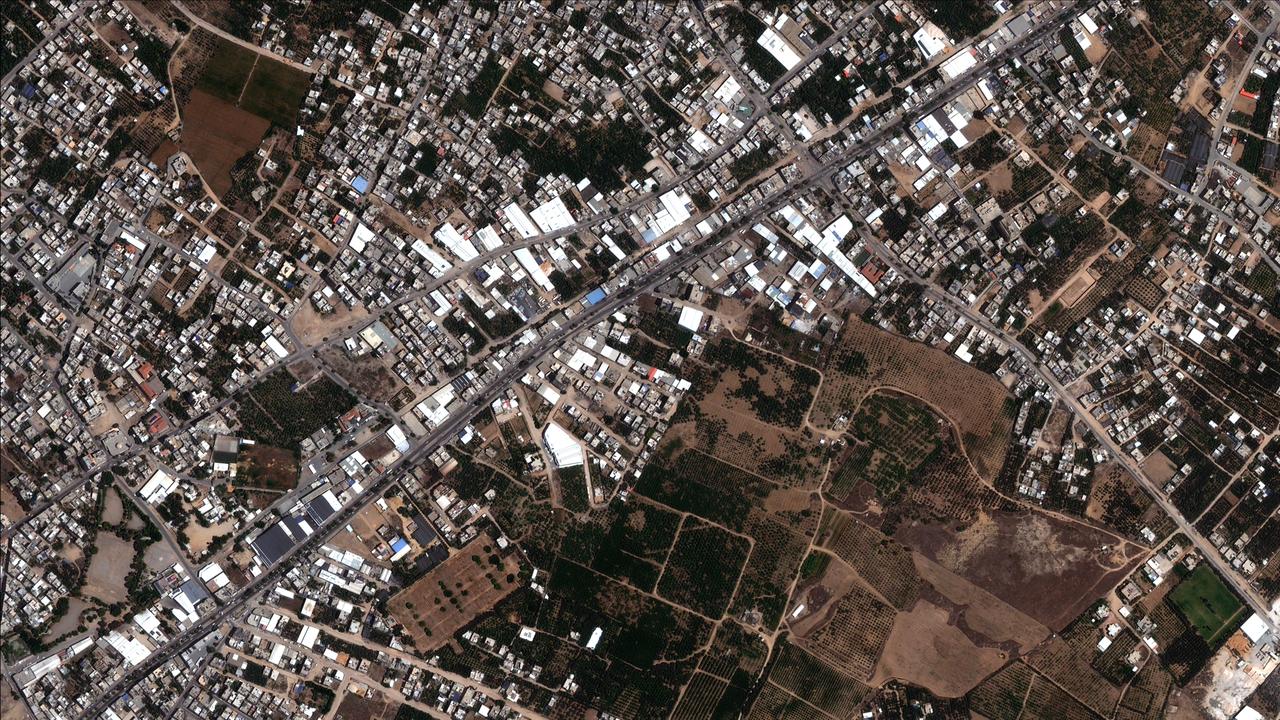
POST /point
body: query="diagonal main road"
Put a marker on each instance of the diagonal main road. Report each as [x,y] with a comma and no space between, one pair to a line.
[548,342]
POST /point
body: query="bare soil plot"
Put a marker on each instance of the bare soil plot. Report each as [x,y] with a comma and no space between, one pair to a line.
[1000,178]
[165,150]
[1050,569]
[1096,51]
[70,621]
[268,468]
[987,620]
[865,358]
[311,326]
[368,375]
[456,592]
[1077,288]
[159,556]
[1159,467]
[356,707]
[200,537]
[9,506]
[216,134]
[11,706]
[925,649]
[112,507]
[108,569]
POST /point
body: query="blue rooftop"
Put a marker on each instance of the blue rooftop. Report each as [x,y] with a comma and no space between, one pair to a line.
[360,184]
[595,296]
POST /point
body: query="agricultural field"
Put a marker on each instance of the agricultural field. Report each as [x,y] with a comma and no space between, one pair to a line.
[853,631]
[280,412]
[748,408]
[227,70]
[947,635]
[1208,605]
[700,698]
[865,358]
[629,543]
[927,649]
[1071,660]
[1118,502]
[642,635]
[826,688]
[1000,697]
[884,565]
[463,587]
[702,571]
[229,106]
[1147,694]
[216,134]
[890,438]
[778,520]
[275,91]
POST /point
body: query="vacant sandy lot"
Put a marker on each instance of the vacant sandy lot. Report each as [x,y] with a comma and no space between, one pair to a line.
[925,649]
[1048,568]
[112,508]
[311,326]
[1076,289]
[108,569]
[70,621]
[9,506]
[159,556]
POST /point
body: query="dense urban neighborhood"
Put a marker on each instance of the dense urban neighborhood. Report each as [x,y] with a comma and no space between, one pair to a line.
[557,359]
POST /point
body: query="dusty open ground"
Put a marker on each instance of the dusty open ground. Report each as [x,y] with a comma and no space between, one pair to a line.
[9,506]
[266,467]
[1048,568]
[70,621]
[925,649]
[112,508]
[109,568]
[311,326]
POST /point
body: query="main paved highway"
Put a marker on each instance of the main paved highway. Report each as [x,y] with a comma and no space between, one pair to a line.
[549,341]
